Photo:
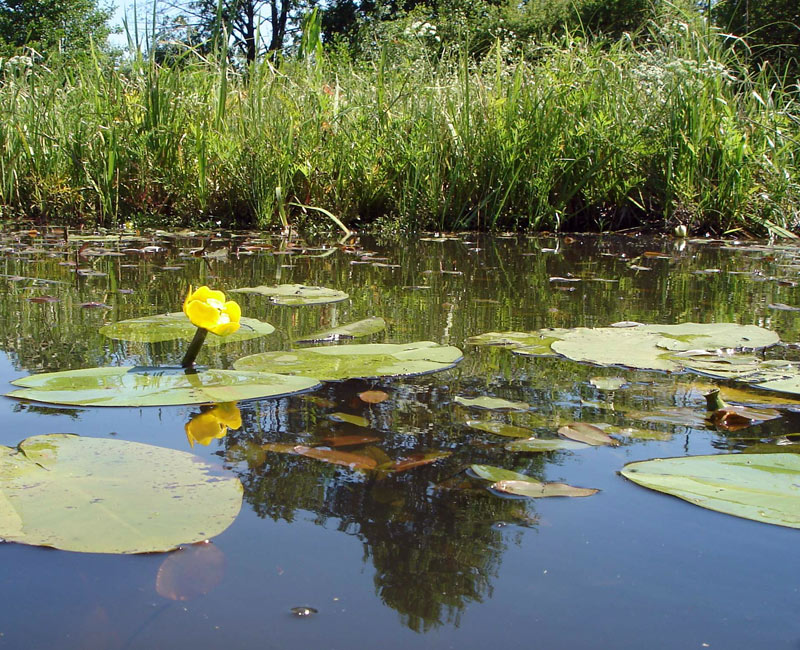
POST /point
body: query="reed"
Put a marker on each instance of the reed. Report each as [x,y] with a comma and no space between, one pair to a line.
[573,134]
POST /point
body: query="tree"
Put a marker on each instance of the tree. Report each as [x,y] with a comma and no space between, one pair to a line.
[252,25]
[69,25]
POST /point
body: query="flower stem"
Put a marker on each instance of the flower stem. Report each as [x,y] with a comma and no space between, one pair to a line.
[713,400]
[194,347]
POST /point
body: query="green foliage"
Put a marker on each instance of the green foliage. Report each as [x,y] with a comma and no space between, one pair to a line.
[771,28]
[43,25]
[569,133]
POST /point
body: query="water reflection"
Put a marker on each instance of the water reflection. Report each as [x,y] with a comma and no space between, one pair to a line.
[212,423]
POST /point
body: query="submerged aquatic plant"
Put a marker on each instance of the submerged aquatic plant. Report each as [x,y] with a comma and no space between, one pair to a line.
[208,310]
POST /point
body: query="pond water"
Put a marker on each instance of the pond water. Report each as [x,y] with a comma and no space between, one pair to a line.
[425,557]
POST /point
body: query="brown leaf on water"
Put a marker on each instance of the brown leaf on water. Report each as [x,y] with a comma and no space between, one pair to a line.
[190,572]
[535,490]
[733,418]
[349,441]
[586,433]
[373,396]
[353,461]
[42,299]
[95,305]
[416,460]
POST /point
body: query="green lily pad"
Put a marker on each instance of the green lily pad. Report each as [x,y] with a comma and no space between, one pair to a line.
[141,386]
[168,327]
[357,420]
[492,403]
[367,360]
[356,330]
[710,336]
[294,295]
[613,346]
[544,444]
[110,496]
[761,487]
[526,343]
[500,428]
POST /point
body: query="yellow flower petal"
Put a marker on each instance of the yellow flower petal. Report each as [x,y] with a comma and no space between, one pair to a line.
[202,314]
[203,428]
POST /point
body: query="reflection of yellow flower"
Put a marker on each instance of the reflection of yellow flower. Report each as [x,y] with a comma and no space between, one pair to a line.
[207,308]
[205,427]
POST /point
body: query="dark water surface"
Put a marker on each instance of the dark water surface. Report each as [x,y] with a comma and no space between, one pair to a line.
[427,557]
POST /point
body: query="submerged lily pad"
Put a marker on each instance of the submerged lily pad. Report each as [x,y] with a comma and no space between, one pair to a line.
[762,487]
[168,327]
[586,433]
[110,496]
[492,403]
[367,360]
[144,386]
[544,444]
[356,330]
[500,428]
[494,474]
[296,294]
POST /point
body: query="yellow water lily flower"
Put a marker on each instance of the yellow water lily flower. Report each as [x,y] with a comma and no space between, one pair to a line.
[208,309]
[207,426]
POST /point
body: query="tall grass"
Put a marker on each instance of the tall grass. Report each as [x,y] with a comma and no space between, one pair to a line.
[572,134]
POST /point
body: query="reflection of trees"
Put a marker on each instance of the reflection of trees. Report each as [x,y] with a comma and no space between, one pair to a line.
[435,546]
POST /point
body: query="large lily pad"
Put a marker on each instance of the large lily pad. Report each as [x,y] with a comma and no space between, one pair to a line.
[335,363]
[710,336]
[168,327]
[294,295]
[359,329]
[110,496]
[142,386]
[762,487]
[639,346]
[628,347]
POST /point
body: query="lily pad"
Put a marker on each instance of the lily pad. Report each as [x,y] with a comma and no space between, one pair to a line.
[294,295]
[168,327]
[356,330]
[110,496]
[367,360]
[762,487]
[492,403]
[143,386]
[500,428]
[613,346]
[710,336]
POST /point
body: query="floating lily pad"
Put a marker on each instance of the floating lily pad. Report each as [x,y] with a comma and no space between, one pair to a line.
[356,330]
[367,360]
[168,327]
[143,386]
[710,336]
[500,428]
[607,346]
[527,343]
[544,444]
[762,487]
[294,295]
[110,496]
[357,420]
[492,403]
